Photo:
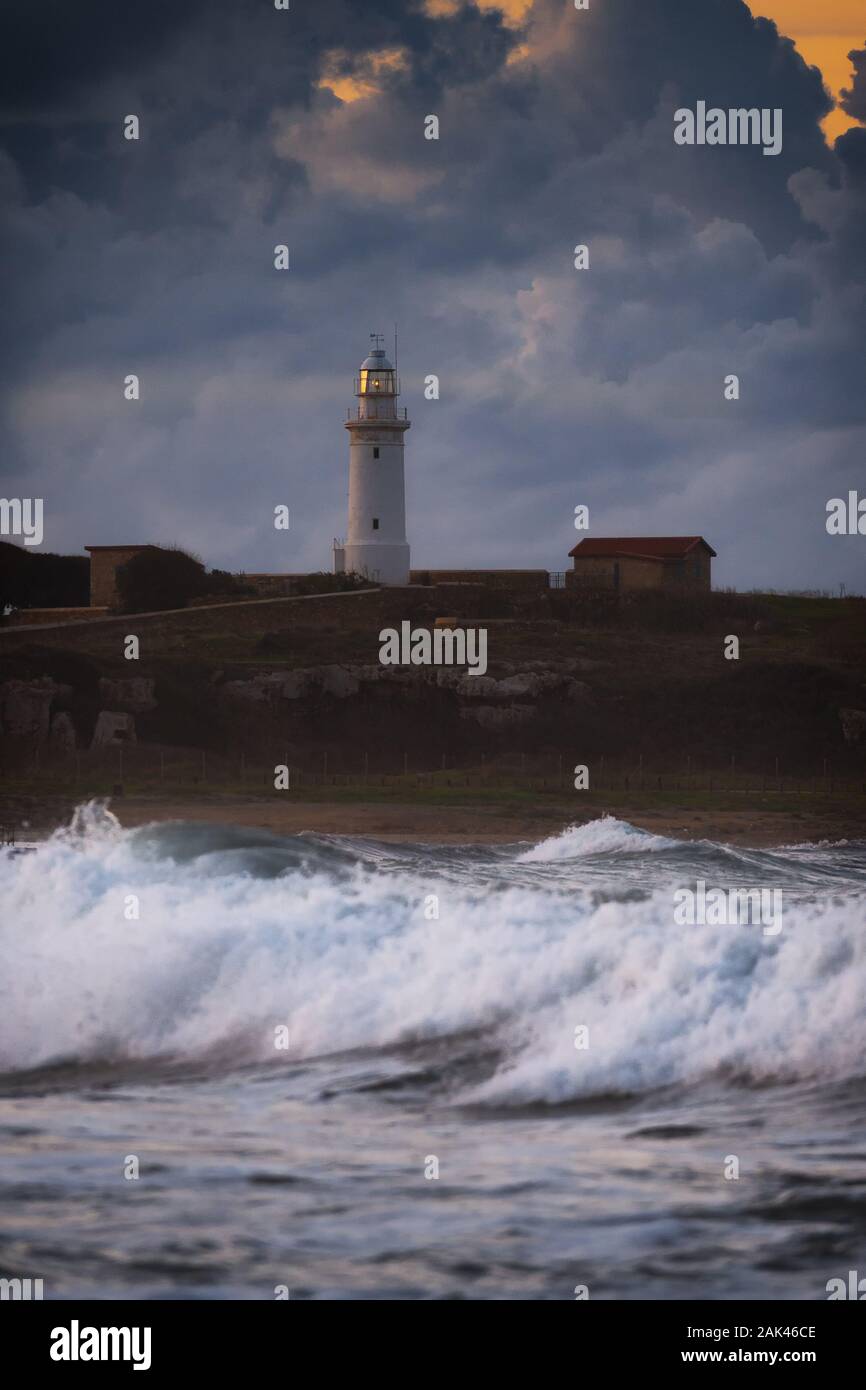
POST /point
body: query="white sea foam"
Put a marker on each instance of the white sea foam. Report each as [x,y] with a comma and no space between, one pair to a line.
[220,957]
[604,836]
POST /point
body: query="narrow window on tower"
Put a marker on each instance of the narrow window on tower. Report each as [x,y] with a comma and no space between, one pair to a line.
[375,452]
[375,523]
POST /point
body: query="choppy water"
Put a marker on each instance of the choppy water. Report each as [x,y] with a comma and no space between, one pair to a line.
[411,1037]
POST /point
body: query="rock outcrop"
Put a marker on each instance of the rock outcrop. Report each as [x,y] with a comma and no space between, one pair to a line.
[112,728]
[511,699]
[62,736]
[25,707]
[271,688]
[853,725]
[134,694]
[498,716]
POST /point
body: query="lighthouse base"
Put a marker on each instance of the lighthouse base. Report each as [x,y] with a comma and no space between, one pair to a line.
[383,563]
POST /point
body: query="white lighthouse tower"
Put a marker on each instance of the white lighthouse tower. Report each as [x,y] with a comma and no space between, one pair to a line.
[376,544]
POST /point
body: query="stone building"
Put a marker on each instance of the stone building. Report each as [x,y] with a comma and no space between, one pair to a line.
[105,561]
[642,562]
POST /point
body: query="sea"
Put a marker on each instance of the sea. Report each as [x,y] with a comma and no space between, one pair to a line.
[235,1065]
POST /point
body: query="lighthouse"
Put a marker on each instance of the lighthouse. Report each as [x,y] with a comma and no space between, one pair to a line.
[376,544]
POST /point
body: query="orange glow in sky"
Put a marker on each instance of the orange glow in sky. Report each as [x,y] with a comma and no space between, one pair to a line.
[825,31]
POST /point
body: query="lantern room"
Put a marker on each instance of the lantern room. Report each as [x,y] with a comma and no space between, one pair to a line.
[377,376]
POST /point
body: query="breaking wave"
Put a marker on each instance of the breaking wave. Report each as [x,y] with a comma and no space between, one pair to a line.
[185,942]
[604,836]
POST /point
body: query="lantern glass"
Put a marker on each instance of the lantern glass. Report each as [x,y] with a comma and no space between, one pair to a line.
[376,383]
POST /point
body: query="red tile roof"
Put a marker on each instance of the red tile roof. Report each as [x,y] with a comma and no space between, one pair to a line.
[640,547]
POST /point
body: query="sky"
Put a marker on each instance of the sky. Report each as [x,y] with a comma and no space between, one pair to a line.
[558,387]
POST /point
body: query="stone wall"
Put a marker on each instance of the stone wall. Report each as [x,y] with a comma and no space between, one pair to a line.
[692,573]
[597,572]
[517,581]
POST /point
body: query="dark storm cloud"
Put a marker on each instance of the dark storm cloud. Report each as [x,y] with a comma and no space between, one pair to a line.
[558,387]
[53,48]
[853,99]
[851,147]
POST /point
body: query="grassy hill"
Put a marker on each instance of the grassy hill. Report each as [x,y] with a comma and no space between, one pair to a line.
[641,678]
